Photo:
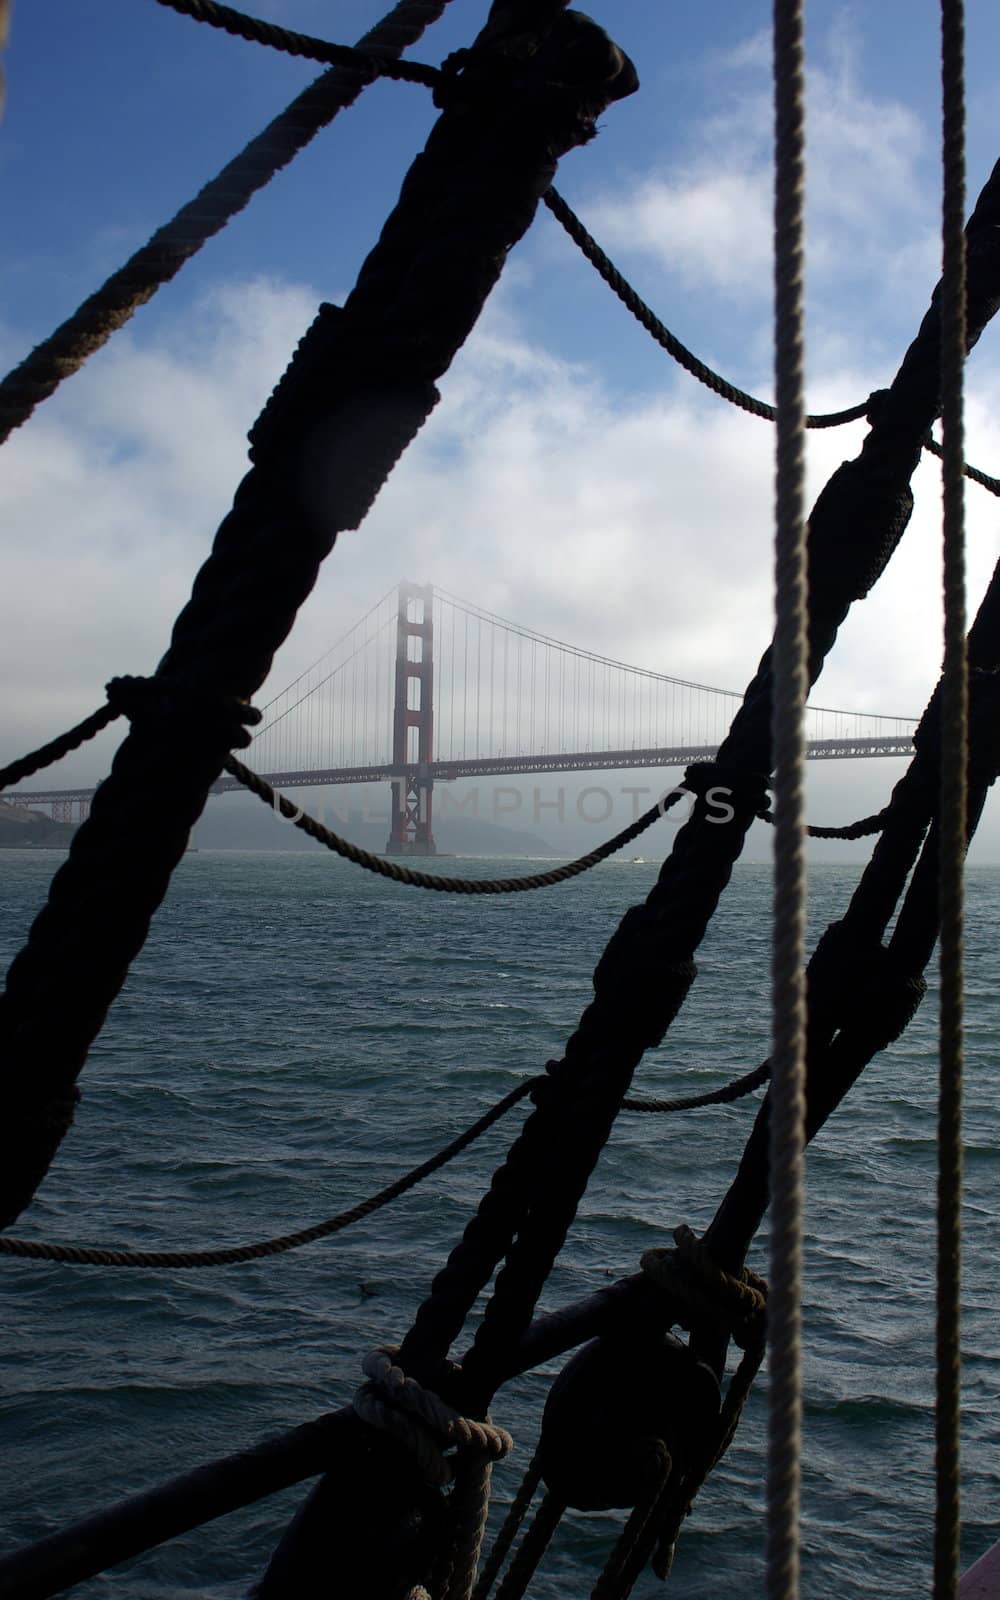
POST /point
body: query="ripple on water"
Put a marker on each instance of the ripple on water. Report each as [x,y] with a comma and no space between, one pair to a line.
[261,1070]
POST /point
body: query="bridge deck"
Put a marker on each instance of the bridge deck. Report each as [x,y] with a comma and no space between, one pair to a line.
[512,766]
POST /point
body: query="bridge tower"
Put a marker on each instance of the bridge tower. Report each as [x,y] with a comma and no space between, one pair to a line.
[413,724]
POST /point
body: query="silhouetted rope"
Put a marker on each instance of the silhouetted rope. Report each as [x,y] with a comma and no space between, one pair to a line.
[414,879]
[862,829]
[92,1256]
[155,263]
[130,697]
[669,342]
[304,45]
[992,484]
[735,1090]
[647,318]
[952,814]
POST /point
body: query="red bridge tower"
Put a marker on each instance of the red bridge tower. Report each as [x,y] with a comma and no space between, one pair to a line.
[413,724]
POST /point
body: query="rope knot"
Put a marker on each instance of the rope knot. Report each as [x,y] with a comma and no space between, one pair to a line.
[705,1294]
[429,1427]
[720,784]
[138,698]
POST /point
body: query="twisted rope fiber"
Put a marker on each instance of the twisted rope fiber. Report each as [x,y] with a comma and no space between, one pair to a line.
[47,754]
[953,805]
[253,29]
[129,697]
[735,1090]
[92,1256]
[429,1427]
[791,678]
[669,342]
[508,1531]
[432,880]
[223,197]
[686,358]
[983,478]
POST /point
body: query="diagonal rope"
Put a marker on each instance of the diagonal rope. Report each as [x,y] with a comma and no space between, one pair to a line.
[953,802]
[983,478]
[667,340]
[303,45]
[790,687]
[94,1256]
[155,263]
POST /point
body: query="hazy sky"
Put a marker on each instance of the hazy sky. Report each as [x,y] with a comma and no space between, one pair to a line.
[572,478]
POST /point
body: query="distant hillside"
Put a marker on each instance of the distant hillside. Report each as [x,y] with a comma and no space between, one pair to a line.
[21,829]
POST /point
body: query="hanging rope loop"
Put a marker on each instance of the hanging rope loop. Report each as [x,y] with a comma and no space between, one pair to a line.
[449,1448]
[433,1430]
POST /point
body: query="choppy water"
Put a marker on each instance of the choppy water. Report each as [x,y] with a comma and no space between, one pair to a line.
[294,1035]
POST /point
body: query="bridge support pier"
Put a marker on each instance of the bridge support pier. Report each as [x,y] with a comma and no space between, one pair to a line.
[411,830]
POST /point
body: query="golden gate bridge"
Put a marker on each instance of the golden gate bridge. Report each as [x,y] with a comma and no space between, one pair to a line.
[428,688]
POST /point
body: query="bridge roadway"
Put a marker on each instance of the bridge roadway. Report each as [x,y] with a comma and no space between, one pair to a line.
[506,766]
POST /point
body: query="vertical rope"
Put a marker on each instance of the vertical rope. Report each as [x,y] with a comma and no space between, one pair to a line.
[790,658]
[954,761]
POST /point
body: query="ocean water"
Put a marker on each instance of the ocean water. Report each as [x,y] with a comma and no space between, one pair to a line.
[297,1033]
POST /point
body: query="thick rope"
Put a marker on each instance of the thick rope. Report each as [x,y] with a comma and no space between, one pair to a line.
[155,263]
[92,1256]
[301,44]
[791,682]
[734,1090]
[414,879]
[647,318]
[952,813]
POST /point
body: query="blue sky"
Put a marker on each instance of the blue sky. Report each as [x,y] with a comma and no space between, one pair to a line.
[572,478]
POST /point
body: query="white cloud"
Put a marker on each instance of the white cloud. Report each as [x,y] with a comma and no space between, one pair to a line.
[707,221]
